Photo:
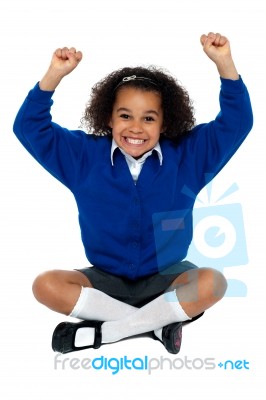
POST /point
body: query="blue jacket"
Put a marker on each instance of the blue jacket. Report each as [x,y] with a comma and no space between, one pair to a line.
[135,230]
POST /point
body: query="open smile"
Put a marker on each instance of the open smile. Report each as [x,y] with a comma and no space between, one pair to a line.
[133,141]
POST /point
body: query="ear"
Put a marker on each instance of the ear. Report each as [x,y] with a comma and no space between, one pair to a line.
[163,129]
[110,123]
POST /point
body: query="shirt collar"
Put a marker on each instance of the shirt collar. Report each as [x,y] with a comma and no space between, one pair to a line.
[157,148]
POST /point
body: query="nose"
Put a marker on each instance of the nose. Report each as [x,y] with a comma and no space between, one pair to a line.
[136,127]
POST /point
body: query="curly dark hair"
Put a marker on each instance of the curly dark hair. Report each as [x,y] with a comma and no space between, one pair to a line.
[178,112]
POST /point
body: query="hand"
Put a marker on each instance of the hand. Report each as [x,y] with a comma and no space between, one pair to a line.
[217,48]
[63,62]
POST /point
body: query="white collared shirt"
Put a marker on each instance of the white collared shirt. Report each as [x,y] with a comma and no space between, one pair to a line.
[134,165]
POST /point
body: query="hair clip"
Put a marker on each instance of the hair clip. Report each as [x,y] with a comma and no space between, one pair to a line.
[129,78]
[133,78]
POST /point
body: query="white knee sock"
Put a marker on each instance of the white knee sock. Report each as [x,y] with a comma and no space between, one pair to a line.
[162,311]
[96,305]
[153,316]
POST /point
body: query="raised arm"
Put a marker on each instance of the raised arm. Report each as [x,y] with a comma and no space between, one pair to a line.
[211,145]
[57,149]
[217,48]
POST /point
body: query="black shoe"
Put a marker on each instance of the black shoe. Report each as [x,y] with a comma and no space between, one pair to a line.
[64,334]
[171,337]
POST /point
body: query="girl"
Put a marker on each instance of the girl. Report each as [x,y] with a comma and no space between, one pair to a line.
[128,177]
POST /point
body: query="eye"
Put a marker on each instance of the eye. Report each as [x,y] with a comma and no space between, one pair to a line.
[124,116]
[149,119]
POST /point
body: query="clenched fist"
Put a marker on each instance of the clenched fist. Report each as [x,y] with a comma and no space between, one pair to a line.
[217,48]
[64,61]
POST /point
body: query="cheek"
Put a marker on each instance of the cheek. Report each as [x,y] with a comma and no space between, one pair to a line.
[116,128]
[157,134]
[116,133]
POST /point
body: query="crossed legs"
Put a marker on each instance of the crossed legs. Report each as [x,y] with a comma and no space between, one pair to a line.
[70,292]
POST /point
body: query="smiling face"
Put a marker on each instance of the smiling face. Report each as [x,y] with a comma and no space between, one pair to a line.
[137,120]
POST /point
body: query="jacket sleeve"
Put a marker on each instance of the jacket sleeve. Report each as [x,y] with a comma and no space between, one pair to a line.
[57,149]
[210,146]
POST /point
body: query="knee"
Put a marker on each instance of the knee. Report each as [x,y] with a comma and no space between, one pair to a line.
[44,285]
[215,284]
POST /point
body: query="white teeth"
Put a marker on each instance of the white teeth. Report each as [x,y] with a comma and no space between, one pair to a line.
[134,141]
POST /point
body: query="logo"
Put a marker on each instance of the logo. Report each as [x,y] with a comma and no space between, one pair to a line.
[146,364]
[218,235]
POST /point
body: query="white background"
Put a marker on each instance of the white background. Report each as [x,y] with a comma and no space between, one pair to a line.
[39,228]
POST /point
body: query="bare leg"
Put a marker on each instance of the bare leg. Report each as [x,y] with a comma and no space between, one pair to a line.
[59,290]
[199,289]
